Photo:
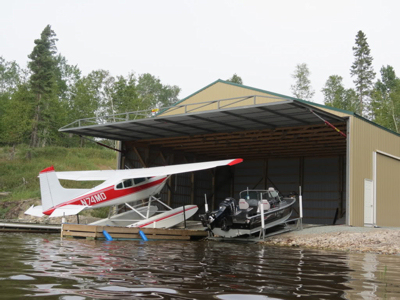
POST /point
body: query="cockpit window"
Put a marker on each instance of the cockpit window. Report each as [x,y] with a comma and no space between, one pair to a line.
[139,180]
[128,183]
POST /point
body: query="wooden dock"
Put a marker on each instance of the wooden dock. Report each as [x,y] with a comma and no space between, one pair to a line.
[125,233]
[28,227]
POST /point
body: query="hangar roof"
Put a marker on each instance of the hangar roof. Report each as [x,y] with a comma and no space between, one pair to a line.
[278,129]
[289,113]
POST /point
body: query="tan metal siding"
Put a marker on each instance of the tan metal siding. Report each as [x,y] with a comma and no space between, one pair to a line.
[219,91]
[387,191]
[364,139]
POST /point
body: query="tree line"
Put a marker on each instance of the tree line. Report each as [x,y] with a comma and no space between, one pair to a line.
[37,101]
[377,100]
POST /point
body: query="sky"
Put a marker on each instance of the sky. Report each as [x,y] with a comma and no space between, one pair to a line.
[193,43]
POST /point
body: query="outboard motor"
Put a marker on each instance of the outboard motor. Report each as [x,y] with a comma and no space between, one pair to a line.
[222,217]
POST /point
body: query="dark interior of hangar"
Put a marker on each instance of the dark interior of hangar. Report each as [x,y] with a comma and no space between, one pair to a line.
[313,157]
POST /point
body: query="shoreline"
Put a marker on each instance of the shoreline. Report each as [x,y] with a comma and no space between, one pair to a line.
[341,238]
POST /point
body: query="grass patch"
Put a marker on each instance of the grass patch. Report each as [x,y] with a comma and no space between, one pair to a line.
[19,170]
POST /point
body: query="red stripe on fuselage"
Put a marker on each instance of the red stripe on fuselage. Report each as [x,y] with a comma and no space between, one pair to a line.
[105,195]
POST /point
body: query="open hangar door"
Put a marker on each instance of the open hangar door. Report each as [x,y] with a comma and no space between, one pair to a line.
[321,177]
[282,143]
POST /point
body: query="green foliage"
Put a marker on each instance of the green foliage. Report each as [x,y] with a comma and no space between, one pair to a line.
[54,93]
[363,72]
[16,122]
[153,94]
[3,212]
[43,62]
[87,95]
[12,91]
[235,79]
[9,76]
[385,103]
[44,86]
[302,88]
[335,95]
[125,95]
[19,175]
[101,212]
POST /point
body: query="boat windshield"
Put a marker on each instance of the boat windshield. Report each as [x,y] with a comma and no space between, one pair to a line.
[270,194]
[248,194]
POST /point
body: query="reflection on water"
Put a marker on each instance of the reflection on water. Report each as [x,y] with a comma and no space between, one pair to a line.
[44,266]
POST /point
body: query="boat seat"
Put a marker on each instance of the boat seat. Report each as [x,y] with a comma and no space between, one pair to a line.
[265,204]
[243,204]
[253,206]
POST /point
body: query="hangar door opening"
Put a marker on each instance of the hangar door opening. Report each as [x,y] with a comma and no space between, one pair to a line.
[322,180]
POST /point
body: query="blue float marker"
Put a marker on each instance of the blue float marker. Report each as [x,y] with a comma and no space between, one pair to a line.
[144,237]
[107,235]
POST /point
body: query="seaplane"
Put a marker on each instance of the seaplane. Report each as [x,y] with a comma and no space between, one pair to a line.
[117,187]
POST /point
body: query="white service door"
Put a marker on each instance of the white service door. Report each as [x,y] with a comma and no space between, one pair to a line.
[368,202]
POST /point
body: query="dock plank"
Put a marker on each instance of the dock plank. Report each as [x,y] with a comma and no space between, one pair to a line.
[94,231]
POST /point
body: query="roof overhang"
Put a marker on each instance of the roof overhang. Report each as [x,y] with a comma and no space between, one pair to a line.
[288,113]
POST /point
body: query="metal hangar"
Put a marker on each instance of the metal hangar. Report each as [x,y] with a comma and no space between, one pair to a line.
[348,168]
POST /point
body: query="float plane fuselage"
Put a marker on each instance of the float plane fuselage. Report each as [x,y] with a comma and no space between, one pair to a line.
[119,187]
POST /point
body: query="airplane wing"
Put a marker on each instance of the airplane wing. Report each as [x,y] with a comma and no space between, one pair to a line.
[145,172]
[87,175]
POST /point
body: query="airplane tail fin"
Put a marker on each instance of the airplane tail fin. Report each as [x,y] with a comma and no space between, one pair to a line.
[52,194]
[51,190]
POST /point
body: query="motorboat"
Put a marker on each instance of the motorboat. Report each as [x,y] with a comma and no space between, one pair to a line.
[241,217]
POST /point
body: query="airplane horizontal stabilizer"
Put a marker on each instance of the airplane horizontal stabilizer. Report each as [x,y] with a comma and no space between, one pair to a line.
[67,210]
[36,211]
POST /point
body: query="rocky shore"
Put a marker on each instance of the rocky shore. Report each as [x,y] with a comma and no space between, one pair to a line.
[342,238]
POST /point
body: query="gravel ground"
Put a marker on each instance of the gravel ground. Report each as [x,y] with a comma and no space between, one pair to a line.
[342,238]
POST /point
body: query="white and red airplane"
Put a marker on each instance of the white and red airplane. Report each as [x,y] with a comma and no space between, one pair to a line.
[119,187]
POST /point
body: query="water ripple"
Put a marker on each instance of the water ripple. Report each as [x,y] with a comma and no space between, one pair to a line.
[81,269]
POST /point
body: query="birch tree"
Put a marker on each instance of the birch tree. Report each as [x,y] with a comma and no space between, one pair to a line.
[302,88]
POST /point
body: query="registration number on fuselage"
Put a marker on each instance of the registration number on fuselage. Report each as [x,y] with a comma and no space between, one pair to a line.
[94,199]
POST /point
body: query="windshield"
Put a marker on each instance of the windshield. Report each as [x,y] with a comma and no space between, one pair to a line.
[271,194]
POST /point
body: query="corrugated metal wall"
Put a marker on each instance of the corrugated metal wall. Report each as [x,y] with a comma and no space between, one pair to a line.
[249,174]
[365,138]
[387,191]
[322,181]
[323,189]
[286,176]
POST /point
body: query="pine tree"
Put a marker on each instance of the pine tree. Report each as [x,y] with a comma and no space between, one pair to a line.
[43,82]
[302,88]
[363,72]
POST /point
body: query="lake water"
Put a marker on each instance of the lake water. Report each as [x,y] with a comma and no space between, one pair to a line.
[45,267]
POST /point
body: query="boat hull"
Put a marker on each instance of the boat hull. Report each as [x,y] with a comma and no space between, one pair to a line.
[242,222]
[236,232]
